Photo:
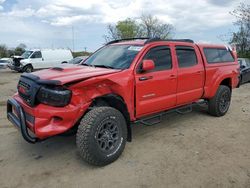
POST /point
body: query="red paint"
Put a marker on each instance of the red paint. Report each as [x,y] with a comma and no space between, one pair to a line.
[162,90]
[148,65]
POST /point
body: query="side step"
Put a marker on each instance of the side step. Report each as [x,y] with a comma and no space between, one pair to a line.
[155,119]
[185,109]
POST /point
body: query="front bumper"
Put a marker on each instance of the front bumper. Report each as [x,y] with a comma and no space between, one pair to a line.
[15,68]
[16,115]
[43,121]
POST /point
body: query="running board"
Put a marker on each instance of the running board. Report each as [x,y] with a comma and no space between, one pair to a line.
[185,109]
[155,119]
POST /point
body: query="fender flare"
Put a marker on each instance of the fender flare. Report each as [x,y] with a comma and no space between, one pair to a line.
[214,87]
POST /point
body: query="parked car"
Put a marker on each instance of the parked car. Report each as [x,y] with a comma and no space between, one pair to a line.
[78,59]
[244,70]
[40,59]
[4,62]
[124,82]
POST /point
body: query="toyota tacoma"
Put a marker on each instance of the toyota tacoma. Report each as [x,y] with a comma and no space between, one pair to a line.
[124,82]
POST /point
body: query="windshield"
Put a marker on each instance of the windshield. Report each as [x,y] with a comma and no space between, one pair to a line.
[26,54]
[116,57]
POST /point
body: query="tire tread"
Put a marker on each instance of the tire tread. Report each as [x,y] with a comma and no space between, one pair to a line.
[84,133]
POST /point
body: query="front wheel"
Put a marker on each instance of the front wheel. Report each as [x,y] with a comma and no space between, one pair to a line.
[219,104]
[101,136]
[28,68]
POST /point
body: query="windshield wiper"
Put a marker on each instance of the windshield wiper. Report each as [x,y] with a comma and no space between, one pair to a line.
[84,64]
[104,66]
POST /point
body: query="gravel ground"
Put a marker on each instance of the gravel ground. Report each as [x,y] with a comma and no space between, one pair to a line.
[192,150]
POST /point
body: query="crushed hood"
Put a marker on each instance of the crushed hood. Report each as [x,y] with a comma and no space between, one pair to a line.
[72,73]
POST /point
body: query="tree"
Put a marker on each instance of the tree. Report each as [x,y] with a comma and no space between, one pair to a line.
[20,49]
[127,28]
[145,26]
[152,27]
[22,46]
[123,29]
[242,37]
[3,51]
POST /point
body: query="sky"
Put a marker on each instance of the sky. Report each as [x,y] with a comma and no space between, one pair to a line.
[52,23]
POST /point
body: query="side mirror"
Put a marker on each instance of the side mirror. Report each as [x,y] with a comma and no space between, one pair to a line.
[147,65]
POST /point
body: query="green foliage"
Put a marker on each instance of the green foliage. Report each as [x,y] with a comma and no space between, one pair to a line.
[76,54]
[127,28]
[3,51]
[19,51]
[245,54]
[145,26]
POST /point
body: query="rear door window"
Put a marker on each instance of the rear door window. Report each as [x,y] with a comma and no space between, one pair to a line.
[218,55]
[186,57]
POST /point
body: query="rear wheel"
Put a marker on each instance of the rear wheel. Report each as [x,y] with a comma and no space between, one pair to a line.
[219,104]
[101,136]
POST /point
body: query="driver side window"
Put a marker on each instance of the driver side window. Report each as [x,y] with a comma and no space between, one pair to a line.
[161,55]
[37,54]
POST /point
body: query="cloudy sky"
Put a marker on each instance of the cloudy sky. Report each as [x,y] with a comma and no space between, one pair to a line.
[48,23]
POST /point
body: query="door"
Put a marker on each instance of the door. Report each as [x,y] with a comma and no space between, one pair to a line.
[247,70]
[156,89]
[191,74]
[36,60]
[245,75]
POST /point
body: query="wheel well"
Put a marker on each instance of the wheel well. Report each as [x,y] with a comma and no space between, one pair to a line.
[116,102]
[227,82]
[28,65]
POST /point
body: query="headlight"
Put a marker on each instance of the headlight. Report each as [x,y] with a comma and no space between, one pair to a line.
[58,96]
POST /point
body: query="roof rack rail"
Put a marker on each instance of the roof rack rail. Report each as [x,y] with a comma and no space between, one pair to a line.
[126,39]
[168,40]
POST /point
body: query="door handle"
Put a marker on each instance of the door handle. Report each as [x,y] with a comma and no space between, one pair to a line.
[198,72]
[143,78]
[172,76]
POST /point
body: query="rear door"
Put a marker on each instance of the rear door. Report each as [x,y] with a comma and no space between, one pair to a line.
[191,74]
[156,89]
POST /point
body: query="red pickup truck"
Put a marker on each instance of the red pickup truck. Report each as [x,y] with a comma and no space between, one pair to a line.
[126,81]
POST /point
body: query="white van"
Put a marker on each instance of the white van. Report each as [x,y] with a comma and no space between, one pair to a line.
[40,59]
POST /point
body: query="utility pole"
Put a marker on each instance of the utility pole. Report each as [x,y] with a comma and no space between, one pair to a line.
[73,39]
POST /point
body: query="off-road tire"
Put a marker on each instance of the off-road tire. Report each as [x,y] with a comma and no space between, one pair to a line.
[86,137]
[223,94]
[28,69]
